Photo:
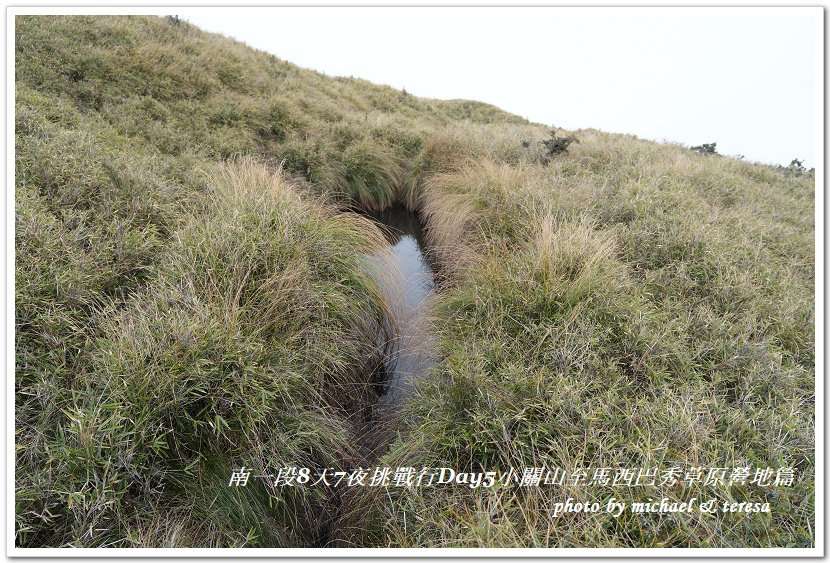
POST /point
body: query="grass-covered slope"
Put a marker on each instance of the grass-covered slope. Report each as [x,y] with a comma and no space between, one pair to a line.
[630,305]
[183,306]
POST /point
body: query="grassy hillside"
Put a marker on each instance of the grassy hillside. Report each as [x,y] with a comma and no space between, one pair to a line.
[192,294]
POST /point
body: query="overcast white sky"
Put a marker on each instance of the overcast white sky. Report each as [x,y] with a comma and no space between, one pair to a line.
[744,78]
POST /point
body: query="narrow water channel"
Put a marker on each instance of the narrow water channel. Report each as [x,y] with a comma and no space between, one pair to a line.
[406,277]
[411,353]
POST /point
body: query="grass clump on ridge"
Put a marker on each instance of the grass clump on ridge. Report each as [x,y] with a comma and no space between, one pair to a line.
[248,347]
[627,304]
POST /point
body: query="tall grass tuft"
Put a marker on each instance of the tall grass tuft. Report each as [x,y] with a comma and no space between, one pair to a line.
[252,347]
[373,175]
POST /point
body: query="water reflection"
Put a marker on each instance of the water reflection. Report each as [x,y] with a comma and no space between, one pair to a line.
[411,353]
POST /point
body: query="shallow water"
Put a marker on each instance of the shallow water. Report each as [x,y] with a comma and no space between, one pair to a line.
[412,286]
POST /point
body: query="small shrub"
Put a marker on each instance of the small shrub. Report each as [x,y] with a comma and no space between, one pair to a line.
[548,149]
[557,145]
[706,148]
[797,166]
